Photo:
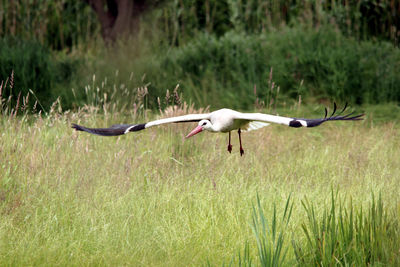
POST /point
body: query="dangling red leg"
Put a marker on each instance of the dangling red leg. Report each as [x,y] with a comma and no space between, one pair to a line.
[229,145]
[240,141]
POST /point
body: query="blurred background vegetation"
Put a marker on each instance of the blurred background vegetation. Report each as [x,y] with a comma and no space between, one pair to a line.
[227,53]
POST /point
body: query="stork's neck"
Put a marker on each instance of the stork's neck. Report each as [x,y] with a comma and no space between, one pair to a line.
[212,128]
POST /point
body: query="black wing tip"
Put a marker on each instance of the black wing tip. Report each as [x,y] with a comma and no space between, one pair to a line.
[77,127]
[118,129]
[345,106]
[334,109]
[344,117]
[96,131]
[88,130]
[355,118]
[337,117]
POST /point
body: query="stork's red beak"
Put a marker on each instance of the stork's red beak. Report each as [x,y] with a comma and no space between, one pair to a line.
[195,131]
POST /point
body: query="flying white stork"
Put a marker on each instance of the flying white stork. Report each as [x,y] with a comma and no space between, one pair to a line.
[223,120]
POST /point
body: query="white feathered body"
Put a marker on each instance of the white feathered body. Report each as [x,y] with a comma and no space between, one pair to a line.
[226,120]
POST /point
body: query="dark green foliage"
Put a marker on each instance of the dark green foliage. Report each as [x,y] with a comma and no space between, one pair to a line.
[360,19]
[62,24]
[34,68]
[312,63]
[215,71]
[218,51]
[58,24]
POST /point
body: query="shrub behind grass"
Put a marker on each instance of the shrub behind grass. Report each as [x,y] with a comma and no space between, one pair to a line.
[318,64]
[36,68]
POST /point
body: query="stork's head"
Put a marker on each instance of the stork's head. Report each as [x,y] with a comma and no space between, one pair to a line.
[203,125]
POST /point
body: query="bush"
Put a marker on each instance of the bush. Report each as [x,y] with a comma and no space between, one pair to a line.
[364,20]
[58,24]
[35,68]
[315,63]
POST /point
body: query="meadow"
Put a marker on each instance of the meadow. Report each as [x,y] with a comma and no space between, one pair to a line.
[321,196]
[324,196]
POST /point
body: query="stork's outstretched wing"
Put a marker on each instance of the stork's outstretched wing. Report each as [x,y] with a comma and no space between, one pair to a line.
[120,129]
[300,122]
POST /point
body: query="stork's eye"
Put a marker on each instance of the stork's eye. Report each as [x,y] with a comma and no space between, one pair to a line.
[204,124]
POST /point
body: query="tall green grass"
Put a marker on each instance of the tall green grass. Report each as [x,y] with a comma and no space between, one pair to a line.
[348,236]
[270,240]
[152,199]
[344,235]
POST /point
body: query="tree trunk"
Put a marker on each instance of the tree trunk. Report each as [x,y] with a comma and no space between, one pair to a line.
[117,18]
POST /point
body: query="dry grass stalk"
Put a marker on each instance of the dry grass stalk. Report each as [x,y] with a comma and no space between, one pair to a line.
[17,105]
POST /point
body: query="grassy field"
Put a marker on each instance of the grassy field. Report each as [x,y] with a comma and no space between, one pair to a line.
[326,196]
[153,199]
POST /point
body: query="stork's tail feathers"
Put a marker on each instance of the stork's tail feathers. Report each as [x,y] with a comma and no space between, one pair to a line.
[255,125]
[297,122]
